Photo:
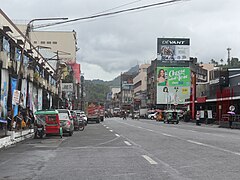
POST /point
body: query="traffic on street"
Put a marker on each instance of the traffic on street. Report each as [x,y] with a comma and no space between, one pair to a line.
[127,149]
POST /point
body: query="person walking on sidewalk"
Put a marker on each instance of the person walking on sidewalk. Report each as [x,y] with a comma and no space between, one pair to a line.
[198,119]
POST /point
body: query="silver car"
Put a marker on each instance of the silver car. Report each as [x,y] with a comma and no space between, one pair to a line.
[66,121]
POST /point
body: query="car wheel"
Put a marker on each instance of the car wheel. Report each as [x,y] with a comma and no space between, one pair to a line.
[152,118]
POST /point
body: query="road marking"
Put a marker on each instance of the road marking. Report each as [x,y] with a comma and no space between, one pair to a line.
[127,143]
[117,135]
[111,130]
[195,142]
[107,127]
[139,127]
[169,135]
[214,147]
[150,160]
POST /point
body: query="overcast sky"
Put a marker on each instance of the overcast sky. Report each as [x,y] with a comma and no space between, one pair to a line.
[111,45]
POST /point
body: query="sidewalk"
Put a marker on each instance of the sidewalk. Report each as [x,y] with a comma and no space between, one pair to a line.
[15,137]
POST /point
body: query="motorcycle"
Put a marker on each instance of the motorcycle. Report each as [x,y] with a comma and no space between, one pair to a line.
[39,131]
[81,124]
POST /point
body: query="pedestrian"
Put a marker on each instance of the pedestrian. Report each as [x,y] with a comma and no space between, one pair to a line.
[198,119]
[9,120]
[230,121]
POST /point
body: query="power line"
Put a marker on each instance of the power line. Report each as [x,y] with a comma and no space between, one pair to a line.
[110,13]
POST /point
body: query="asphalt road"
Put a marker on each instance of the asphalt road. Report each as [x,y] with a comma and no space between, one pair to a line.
[119,149]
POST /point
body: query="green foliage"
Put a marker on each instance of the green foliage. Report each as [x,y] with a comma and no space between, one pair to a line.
[96,91]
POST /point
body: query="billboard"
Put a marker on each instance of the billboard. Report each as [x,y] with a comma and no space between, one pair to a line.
[173,49]
[173,85]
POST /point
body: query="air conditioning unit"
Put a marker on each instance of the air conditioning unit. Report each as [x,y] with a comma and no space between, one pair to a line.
[5,59]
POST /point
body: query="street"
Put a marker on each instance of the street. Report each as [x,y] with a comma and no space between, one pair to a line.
[127,149]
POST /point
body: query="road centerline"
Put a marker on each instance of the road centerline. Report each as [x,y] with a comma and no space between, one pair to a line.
[150,160]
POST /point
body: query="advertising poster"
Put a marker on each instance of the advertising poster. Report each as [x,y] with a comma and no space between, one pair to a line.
[35,99]
[30,96]
[173,49]
[13,87]
[40,100]
[50,101]
[23,99]
[173,85]
[4,93]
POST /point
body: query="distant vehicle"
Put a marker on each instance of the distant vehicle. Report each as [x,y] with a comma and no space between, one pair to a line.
[143,112]
[75,120]
[152,115]
[93,112]
[66,122]
[171,116]
[101,112]
[116,112]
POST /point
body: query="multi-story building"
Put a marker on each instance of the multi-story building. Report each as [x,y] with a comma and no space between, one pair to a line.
[59,49]
[26,76]
[140,86]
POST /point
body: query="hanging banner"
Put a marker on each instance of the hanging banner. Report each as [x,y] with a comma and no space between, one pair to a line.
[35,99]
[40,100]
[4,92]
[23,99]
[14,87]
[30,96]
[16,97]
[50,100]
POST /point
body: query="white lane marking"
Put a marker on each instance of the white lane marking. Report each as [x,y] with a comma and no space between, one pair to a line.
[195,142]
[214,147]
[139,127]
[117,135]
[150,160]
[169,135]
[127,143]
[107,127]
[104,125]
[111,130]
[192,131]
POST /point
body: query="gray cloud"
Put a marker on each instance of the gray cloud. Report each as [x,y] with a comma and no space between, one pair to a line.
[111,45]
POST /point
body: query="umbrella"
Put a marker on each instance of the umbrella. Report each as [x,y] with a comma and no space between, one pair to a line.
[230,112]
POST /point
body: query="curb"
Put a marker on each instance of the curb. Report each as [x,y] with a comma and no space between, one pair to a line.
[15,137]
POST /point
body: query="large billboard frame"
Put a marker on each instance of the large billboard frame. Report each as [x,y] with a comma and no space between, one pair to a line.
[173,49]
[173,85]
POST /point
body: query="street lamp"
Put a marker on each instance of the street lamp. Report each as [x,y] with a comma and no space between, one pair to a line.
[25,40]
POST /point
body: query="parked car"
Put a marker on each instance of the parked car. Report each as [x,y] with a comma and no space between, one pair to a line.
[75,120]
[152,115]
[66,122]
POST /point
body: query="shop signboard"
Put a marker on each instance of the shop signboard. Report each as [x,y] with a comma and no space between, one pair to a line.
[173,49]
[67,87]
[173,85]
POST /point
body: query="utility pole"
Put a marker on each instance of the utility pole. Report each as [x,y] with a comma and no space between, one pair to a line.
[229,56]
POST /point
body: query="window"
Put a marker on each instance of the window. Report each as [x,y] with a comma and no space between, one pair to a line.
[48,42]
[42,42]
[54,42]
[35,42]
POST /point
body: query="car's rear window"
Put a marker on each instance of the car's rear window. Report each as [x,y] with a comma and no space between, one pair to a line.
[63,116]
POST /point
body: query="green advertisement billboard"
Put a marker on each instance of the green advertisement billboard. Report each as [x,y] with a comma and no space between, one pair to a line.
[173,85]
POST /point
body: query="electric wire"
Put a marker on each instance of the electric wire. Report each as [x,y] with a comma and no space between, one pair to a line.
[110,13]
